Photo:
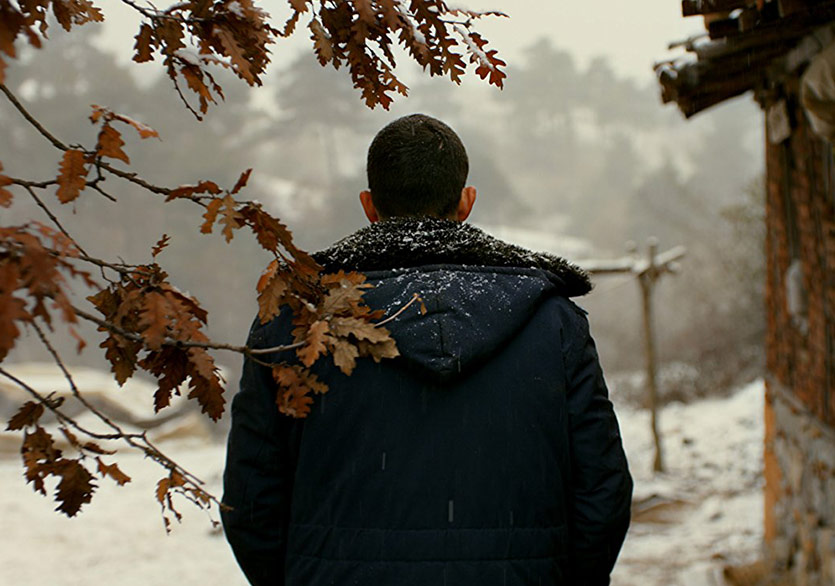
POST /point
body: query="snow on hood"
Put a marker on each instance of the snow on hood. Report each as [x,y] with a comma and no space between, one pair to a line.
[478,291]
[471,312]
[414,242]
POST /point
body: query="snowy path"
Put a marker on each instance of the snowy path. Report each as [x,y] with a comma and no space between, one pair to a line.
[707,510]
[709,504]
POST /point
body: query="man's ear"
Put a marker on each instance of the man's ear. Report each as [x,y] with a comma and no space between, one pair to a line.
[368,207]
[465,204]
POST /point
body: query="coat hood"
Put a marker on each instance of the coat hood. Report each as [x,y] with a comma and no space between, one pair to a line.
[476,291]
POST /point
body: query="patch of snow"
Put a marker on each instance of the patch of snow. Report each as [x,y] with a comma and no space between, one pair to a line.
[403,9]
[474,49]
[706,510]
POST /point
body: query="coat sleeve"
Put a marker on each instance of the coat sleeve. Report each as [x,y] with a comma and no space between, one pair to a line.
[600,495]
[258,476]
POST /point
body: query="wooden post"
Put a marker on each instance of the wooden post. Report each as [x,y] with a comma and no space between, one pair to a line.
[647,282]
[647,272]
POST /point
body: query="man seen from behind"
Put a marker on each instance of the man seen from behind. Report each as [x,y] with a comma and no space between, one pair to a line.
[487,454]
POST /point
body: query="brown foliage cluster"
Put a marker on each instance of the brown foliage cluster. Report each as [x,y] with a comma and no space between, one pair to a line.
[193,38]
[362,34]
[42,459]
[148,324]
[338,323]
[33,261]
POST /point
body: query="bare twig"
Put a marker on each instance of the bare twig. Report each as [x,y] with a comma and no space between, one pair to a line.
[415,298]
[52,217]
[95,186]
[132,177]
[62,417]
[73,388]
[140,9]
[173,75]
[119,268]
[262,351]
[52,182]
[157,14]
[135,179]
[31,119]
[38,184]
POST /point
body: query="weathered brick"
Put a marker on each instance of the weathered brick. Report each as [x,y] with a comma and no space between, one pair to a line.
[800,403]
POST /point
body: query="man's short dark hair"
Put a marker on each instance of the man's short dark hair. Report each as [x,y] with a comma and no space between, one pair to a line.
[417,166]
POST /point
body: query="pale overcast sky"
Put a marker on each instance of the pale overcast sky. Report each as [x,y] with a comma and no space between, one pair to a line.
[632,35]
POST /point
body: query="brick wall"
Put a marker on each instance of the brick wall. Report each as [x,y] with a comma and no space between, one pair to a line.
[800,346]
[801,231]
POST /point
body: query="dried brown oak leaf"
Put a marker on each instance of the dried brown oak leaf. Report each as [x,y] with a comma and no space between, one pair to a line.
[75,488]
[5,194]
[295,384]
[27,416]
[39,454]
[72,178]
[12,309]
[345,355]
[230,217]
[360,329]
[113,471]
[145,43]
[111,143]
[70,12]
[205,384]
[154,317]
[272,288]
[315,343]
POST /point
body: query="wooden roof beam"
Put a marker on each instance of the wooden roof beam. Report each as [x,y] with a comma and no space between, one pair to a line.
[702,7]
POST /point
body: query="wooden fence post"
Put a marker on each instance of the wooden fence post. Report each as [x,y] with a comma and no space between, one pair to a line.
[647,281]
[647,272]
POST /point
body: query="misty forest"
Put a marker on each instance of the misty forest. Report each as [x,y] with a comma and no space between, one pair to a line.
[570,157]
[567,158]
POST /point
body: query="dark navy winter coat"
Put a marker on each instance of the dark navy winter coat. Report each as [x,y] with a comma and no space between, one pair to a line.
[488,454]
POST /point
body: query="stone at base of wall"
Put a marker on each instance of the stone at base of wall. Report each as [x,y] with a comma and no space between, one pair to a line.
[802,490]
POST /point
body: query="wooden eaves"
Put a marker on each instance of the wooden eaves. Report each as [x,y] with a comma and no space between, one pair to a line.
[748,45]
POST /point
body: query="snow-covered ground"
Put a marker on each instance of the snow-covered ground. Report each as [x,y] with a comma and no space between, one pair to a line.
[704,512]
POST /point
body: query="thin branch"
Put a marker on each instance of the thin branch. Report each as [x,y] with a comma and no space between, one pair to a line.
[173,75]
[132,177]
[261,351]
[31,119]
[38,184]
[95,186]
[138,441]
[119,268]
[63,418]
[54,219]
[183,343]
[141,10]
[414,299]
[146,445]
[135,179]
[44,184]
[73,388]
[157,14]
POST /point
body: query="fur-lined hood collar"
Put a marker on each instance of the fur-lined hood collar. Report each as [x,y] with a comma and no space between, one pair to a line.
[413,242]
